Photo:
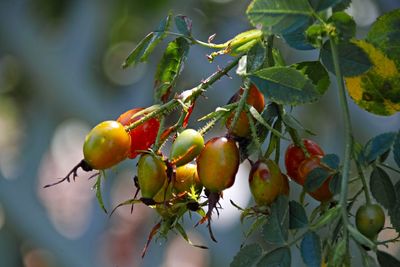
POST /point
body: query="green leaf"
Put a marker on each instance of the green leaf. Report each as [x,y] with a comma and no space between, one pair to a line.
[315,35]
[353,60]
[320,5]
[297,39]
[275,230]
[292,122]
[298,217]
[141,52]
[396,149]
[386,260]
[247,256]
[170,67]
[278,16]
[331,160]
[378,90]
[378,146]
[285,85]
[99,195]
[327,217]
[256,57]
[382,188]
[394,214]
[310,248]
[345,25]
[384,34]
[184,25]
[335,183]
[261,120]
[316,72]
[279,257]
[344,4]
[315,179]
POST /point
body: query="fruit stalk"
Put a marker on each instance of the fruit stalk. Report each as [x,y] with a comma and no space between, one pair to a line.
[347,134]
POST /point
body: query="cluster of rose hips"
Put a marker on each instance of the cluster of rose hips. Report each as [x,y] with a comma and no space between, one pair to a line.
[173,185]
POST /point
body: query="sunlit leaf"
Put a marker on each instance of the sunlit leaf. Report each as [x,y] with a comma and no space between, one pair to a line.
[384,34]
[285,85]
[141,52]
[345,25]
[170,67]
[99,196]
[278,16]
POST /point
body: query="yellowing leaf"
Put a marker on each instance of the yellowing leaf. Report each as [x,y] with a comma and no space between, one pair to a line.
[378,89]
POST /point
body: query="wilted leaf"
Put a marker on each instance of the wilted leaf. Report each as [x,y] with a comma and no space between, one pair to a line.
[378,90]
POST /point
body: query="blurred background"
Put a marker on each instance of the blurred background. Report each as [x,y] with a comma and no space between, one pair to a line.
[60,74]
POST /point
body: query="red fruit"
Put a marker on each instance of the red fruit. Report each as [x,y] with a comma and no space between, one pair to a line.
[294,156]
[144,135]
[255,99]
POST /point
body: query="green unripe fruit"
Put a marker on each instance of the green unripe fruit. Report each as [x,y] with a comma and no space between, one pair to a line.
[151,175]
[186,147]
[370,220]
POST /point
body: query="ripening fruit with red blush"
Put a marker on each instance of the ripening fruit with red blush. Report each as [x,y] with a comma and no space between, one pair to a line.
[142,136]
[266,181]
[218,164]
[186,177]
[294,156]
[106,145]
[187,146]
[256,99]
